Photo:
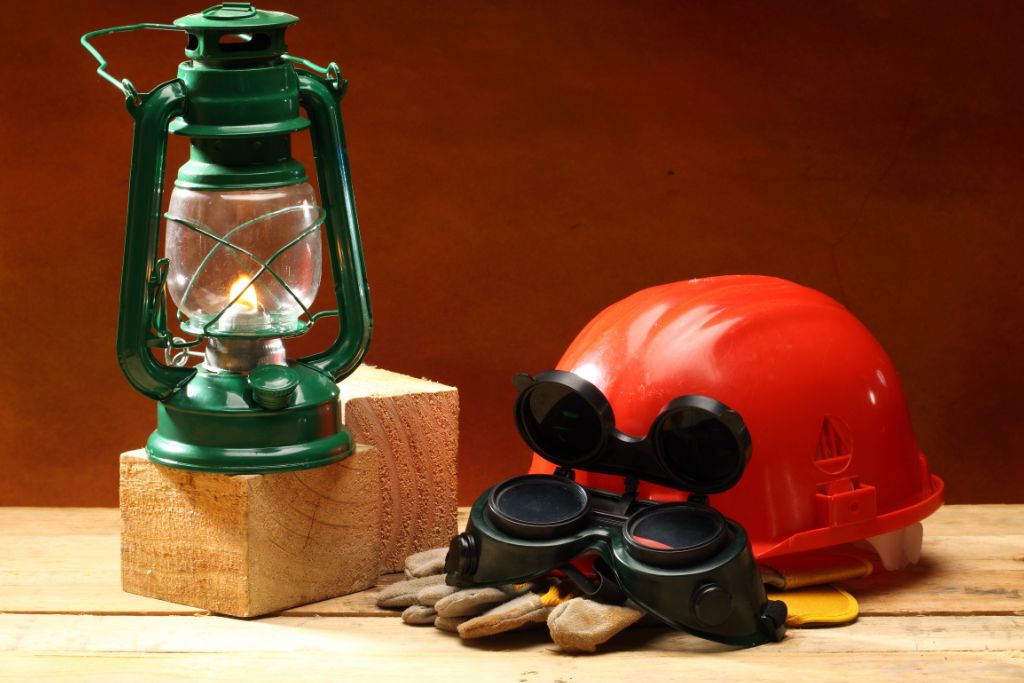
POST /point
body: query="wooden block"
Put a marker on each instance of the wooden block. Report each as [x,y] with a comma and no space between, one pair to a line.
[248,545]
[415,425]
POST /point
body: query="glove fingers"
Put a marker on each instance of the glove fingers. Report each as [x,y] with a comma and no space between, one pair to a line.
[431,594]
[426,563]
[473,601]
[523,610]
[580,625]
[450,624]
[418,615]
[403,593]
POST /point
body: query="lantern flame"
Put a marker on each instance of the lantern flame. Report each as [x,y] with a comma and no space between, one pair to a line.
[243,286]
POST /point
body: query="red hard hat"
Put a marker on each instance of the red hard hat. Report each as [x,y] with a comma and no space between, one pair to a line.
[834,455]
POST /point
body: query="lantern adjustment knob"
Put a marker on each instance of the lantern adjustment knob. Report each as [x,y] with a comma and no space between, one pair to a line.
[272,385]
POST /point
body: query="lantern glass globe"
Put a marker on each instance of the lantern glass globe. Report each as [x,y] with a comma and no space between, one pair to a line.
[207,278]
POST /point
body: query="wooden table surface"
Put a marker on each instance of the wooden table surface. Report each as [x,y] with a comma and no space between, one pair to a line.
[958,615]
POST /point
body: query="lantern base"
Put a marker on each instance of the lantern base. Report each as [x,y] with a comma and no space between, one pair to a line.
[248,460]
[213,424]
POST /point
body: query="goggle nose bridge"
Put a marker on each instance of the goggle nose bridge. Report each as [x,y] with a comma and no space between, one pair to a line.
[604,587]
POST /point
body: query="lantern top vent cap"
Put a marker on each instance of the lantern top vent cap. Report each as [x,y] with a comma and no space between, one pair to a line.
[235,16]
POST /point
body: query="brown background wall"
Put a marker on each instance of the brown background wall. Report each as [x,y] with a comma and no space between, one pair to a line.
[518,166]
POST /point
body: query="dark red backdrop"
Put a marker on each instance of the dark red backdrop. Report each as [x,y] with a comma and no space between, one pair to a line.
[519,166]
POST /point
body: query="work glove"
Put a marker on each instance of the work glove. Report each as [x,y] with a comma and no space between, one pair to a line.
[576,624]
[581,624]
[804,582]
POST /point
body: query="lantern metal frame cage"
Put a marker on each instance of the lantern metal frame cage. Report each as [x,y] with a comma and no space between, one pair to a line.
[239,106]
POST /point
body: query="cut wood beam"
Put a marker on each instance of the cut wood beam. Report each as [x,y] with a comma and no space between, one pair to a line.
[248,545]
[414,423]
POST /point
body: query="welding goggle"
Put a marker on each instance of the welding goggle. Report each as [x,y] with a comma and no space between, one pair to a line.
[685,563]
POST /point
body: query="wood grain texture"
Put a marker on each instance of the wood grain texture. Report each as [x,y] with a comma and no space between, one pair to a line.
[59,647]
[414,423]
[248,545]
[92,633]
[66,561]
[512,665]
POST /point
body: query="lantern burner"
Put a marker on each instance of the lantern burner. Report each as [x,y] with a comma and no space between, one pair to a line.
[234,354]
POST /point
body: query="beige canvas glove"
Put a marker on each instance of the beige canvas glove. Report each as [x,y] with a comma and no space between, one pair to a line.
[516,613]
[483,611]
[426,563]
[469,602]
[427,598]
[404,593]
[580,625]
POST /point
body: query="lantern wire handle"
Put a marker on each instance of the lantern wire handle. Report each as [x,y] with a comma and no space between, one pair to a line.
[124,85]
[332,71]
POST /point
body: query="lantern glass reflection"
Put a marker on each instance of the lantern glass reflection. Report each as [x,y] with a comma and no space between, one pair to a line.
[208,278]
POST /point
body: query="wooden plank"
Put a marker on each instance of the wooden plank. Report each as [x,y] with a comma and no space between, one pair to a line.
[36,521]
[956,575]
[69,557]
[78,573]
[976,520]
[473,665]
[361,604]
[383,637]
[249,545]
[87,648]
[66,561]
[414,423]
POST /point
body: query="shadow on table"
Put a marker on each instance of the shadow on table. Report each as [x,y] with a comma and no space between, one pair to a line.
[650,638]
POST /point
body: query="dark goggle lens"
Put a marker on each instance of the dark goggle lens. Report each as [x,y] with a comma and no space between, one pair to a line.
[675,535]
[699,448]
[560,422]
[538,506]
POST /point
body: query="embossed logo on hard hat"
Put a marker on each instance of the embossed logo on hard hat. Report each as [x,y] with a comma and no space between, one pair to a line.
[835,450]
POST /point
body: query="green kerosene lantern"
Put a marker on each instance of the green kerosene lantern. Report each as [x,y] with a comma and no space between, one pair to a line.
[242,255]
